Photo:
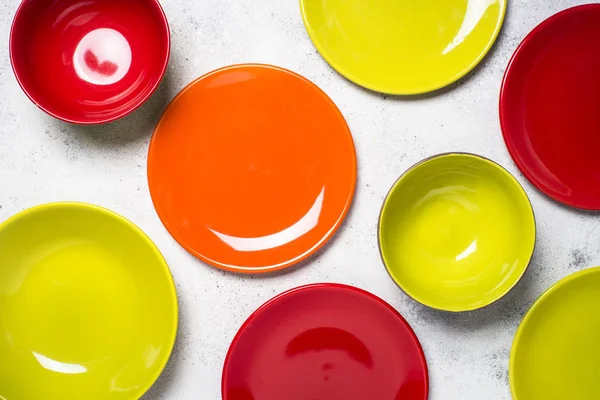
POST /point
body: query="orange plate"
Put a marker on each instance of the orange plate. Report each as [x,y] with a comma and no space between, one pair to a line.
[252,168]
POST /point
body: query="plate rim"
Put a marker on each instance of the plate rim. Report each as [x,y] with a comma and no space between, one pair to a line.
[429,89]
[31,211]
[327,285]
[487,161]
[530,312]
[512,150]
[318,246]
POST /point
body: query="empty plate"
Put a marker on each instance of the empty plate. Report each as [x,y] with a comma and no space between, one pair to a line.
[403,47]
[325,341]
[88,308]
[549,107]
[252,168]
[556,349]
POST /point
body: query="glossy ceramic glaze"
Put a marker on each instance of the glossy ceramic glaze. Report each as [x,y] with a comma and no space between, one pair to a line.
[556,350]
[456,232]
[549,107]
[325,341]
[88,308]
[403,47]
[89,61]
[252,168]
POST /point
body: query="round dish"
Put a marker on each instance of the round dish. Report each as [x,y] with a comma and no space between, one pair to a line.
[88,61]
[88,308]
[325,341]
[403,47]
[555,352]
[252,168]
[549,107]
[456,232]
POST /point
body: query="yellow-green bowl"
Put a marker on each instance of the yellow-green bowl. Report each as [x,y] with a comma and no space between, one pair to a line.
[556,349]
[456,232]
[88,308]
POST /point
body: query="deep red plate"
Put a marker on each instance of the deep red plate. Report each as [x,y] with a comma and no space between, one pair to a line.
[89,61]
[325,342]
[550,107]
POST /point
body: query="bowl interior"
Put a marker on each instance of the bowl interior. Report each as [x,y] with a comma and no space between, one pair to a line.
[457,232]
[89,61]
[87,306]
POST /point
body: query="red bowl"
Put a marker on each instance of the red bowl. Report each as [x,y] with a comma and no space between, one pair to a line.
[89,61]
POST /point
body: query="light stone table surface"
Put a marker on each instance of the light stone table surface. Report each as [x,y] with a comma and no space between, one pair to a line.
[44,160]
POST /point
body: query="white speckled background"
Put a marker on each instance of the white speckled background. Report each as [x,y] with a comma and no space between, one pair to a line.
[44,160]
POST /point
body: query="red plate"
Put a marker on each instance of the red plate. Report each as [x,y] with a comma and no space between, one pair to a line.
[325,342]
[550,107]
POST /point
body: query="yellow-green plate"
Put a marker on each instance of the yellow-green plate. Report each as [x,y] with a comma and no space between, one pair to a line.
[403,46]
[88,309]
[557,346]
[456,232]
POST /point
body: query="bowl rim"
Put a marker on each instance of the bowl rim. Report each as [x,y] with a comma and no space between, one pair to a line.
[327,285]
[537,304]
[403,176]
[169,281]
[12,51]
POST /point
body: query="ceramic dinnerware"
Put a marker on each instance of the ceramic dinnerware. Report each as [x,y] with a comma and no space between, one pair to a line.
[456,232]
[252,168]
[555,352]
[89,61]
[325,341]
[403,47]
[88,308]
[549,107]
